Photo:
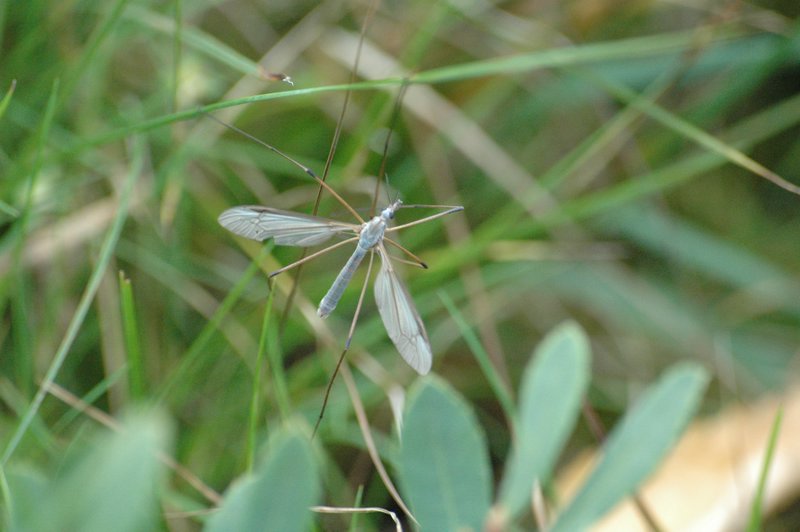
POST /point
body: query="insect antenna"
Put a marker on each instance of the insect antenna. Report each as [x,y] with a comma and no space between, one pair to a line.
[398,104]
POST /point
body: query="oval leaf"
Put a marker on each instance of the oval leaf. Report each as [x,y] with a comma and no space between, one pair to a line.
[112,484]
[550,397]
[278,495]
[444,463]
[637,445]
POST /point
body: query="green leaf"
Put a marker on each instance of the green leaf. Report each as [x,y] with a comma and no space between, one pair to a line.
[444,464]
[23,489]
[115,486]
[552,387]
[637,445]
[278,495]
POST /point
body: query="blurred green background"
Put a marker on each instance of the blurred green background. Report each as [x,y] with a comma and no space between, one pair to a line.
[603,151]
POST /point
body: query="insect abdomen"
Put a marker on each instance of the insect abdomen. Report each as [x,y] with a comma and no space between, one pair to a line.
[330,300]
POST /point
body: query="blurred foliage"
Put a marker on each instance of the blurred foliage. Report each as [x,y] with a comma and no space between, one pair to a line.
[603,152]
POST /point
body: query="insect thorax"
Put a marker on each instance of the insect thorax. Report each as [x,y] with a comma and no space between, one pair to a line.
[372,233]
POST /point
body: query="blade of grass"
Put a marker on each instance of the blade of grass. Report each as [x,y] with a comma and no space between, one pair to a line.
[3,7]
[757,508]
[623,49]
[694,133]
[353,527]
[177,50]
[7,98]
[20,305]
[5,491]
[133,350]
[196,39]
[106,251]
[619,50]
[275,360]
[504,395]
[508,223]
[99,35]
[88,399]
[195,350]
[279,382]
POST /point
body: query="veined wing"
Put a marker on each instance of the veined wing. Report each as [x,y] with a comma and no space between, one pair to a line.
[287,228]
[400,317]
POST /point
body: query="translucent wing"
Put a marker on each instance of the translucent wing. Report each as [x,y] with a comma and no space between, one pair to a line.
[400,317]
[287,228]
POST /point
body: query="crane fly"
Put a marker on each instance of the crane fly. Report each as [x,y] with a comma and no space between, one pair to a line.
[397,310]
[400,317]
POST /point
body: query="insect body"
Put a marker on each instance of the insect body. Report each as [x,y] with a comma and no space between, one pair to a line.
[371,235]
[397,311]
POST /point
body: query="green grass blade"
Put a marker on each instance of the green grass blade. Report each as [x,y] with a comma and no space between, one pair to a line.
[90,398]
[20,305]
[7,98]
[211,328]
[133,350]
[106,252]
[192,37]
[279,381]
[620,50]
[495,381]
[5,496]
[697,135]
[623,49]
[100,34]
[757,508]
[177,49]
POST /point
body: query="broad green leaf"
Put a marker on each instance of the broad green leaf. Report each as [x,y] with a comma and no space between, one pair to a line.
[444,464]
[550,398]
[115,486]
[637,445]
[26,488]
[278,495]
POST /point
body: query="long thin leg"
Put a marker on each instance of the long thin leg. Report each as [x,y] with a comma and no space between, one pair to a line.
[426,219]
[332,151]
[427,206]
[328,392]
[346,345]
[312,256]
[416,261]
[360,301]
[297,163]
[406,261]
